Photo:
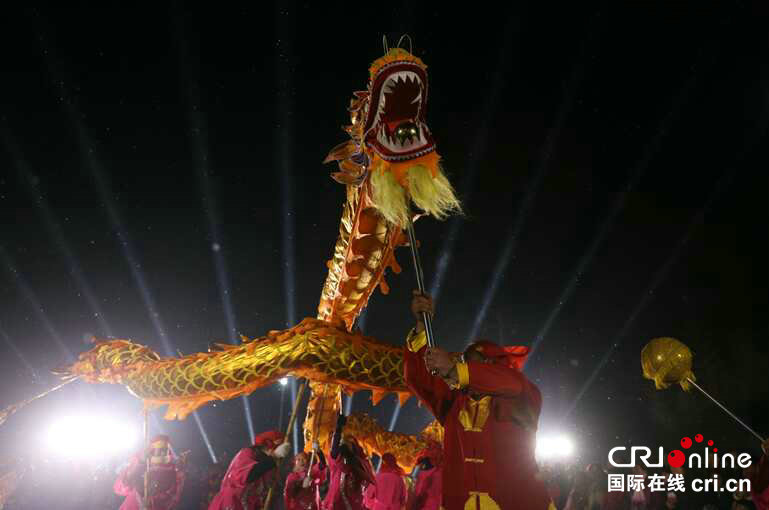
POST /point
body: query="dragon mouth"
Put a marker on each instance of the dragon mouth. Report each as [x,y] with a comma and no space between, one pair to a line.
[395,126]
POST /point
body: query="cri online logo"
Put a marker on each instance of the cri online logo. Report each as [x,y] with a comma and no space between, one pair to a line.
[677,458]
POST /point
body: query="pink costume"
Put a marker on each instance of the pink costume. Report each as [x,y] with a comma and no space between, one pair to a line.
[389,492]
[166,481]
[345,491]
[296,497]
[349,471]
[249,476]
[429,489]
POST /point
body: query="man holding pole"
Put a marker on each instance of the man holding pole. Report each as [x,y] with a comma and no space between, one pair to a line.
[301,491]
[489,411]
[248,478]
[157,472]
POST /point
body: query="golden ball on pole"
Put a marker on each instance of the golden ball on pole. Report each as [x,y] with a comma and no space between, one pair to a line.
[667,361]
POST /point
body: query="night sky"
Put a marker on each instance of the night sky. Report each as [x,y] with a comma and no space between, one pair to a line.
[159,163]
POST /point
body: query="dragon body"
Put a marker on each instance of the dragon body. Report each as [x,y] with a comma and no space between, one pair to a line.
[388,163]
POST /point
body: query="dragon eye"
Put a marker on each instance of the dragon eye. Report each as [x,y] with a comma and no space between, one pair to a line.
[406,131]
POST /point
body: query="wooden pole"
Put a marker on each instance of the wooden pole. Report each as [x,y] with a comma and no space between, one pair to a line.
[268,500]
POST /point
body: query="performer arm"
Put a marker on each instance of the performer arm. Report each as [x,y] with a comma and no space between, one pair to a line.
[321,465]
[264,463]
[319,470]
[337,437]
[494,379]
[431,390]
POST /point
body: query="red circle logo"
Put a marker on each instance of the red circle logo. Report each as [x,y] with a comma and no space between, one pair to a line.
[676,458]
[686,442]
[698,438]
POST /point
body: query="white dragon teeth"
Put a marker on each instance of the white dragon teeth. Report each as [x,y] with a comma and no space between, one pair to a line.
[396,146]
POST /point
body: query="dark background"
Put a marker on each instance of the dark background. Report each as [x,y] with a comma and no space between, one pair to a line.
[611,157]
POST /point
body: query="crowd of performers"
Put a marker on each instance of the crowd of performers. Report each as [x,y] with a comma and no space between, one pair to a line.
[489,411]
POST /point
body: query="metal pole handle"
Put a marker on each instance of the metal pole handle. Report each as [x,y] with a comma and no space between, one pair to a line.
[719,404]
[420,280]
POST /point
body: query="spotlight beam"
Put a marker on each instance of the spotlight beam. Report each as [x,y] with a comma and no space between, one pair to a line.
[284,160]
[54,228]
[205,437]
[88,149]
[723,184]
[570,87]
[476,153]
[636,174]
[31,298]
[394,417]
[199,141]
[10,343]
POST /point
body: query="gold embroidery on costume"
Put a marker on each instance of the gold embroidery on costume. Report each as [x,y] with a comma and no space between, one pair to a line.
[481,501]
[415,341]
[463,375]
[475,413]
[473,459]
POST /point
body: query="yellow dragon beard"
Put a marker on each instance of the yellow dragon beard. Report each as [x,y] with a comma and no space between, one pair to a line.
[421,179]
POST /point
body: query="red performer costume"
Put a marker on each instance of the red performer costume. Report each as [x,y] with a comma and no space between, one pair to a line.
[250,474]
[758,474]
[429,489]
[302,490]
[350,472]
[166,478]
[389,492]
[489,415]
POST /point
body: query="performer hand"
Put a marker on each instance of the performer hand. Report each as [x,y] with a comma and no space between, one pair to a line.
[421,303]
[282,450]
[306,482]
[437,359]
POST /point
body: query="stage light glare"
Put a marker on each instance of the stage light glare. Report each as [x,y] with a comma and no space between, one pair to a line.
[87,437]
[283,381]
[554,447]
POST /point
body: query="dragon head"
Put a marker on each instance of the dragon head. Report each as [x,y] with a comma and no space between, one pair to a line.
[394,127]
[391,147]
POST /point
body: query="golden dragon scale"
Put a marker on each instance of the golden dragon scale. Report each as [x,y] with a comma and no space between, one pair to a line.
[331,358]
[313,349]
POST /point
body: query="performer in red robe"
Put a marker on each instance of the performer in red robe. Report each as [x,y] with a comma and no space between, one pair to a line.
[389,492]
[758,474]
[489,411]
[302,491]
[428,491]
[249,476]
[166,478]
[350,472]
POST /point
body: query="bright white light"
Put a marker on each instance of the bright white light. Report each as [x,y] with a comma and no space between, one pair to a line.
[91,437]
[554,447]
[283,381]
